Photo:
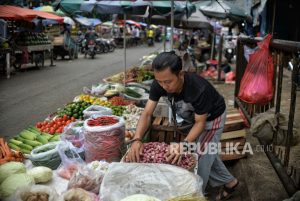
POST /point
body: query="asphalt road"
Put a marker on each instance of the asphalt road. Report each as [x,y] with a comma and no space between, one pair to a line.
[31,95]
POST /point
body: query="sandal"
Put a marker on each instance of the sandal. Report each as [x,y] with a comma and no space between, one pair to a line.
[228,191]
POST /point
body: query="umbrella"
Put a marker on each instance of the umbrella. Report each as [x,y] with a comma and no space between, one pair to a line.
[87,21]
[108,24]
[131,22]
[223,9]
[48,9]
[68,20]
[70,6]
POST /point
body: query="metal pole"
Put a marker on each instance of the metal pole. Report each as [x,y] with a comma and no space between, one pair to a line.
[220,58]
[124,44]
[172,23]
[165,38]
[7,65]
[212,47]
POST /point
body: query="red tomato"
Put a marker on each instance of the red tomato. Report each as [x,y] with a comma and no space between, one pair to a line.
[52,130]
[72,118]
[65,117]
[39,125]
[61,129]
[69,121]
[46,130]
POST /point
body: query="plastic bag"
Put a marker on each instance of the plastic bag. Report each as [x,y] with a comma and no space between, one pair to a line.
[35,191]
[87,178]
[96,110]
[257,82]
[74,133]
[104,142]
[158,180]
[70,160]
[78,194]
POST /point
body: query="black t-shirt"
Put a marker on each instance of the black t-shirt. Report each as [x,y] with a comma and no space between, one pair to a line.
[197,96]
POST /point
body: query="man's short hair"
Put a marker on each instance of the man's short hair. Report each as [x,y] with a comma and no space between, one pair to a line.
[167,60]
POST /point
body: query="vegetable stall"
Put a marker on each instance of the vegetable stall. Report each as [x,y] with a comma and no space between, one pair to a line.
[77,152]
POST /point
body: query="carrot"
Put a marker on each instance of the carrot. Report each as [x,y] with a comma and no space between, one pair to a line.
[2,152]
[18,154]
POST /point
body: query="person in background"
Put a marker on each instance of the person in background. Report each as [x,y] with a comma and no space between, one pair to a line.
[137,36]
[150,36]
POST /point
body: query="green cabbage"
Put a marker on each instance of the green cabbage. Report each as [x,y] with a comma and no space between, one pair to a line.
[40,174]
[11,183]
[10,168]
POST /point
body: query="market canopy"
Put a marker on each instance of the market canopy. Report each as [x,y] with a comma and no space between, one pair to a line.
[87,21]
[18,13]
[223,9]
[138,7]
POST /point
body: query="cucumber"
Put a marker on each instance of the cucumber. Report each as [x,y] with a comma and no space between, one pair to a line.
[132,93]
[15,142]
[26,146]
[32,143]
[14,147]
[25,151]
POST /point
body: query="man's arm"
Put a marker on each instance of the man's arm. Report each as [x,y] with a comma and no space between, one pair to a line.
[145,119]
[197,128]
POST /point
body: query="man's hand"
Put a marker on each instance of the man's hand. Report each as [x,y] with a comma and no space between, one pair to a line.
[134,152]
[174,153]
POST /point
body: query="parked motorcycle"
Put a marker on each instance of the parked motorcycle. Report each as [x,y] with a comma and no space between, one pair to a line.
[91,49]
[101,46]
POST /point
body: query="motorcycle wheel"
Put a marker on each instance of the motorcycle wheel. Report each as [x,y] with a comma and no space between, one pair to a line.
[111,48]
[106,48]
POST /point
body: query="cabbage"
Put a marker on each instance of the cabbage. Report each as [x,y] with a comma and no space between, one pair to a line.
[40,174]
[10,168]
[11,183]
[140,197]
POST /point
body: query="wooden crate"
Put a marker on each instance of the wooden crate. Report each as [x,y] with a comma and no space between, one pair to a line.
[163,131]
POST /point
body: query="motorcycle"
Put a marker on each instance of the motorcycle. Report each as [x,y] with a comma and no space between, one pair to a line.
[91,49]
[101,46]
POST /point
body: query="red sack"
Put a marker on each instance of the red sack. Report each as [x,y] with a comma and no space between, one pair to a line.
[257,83]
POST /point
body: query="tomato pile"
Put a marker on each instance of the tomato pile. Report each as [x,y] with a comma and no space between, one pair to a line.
[102,121]
[55,126]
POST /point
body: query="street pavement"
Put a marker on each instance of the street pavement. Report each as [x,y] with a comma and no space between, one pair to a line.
[31,95]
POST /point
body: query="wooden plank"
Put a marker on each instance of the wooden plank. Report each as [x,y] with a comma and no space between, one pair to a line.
[239,148]
[233,134]
[165,122]
[157,121]
[161,136]
[236,140]
[234,125]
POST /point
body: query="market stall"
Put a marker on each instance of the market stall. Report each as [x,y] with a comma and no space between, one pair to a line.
[28,42]
[78,151]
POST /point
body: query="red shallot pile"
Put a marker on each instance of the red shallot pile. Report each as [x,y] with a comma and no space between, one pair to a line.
[154,152]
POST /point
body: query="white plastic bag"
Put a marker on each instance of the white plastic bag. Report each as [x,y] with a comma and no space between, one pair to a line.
[96,110]
[158,180]
[35,189]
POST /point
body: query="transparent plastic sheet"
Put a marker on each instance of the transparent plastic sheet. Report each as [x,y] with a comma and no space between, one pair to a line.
[87,179]
[70,160]
[104,142]
[257,82]
[158,180]
[74,133]
[96,110]
[25,191]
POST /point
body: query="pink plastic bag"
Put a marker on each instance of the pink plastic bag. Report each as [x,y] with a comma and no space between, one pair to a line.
[257,83]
